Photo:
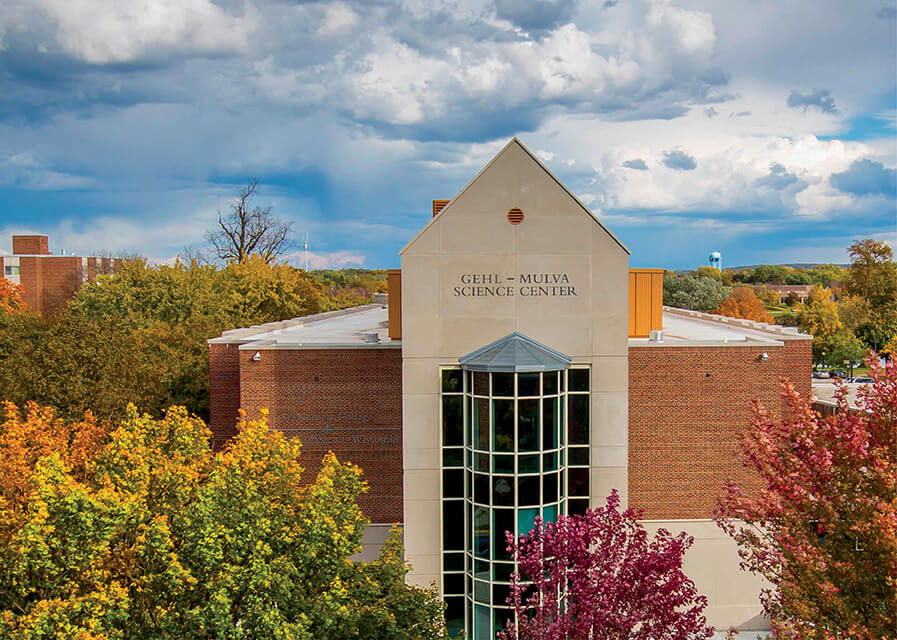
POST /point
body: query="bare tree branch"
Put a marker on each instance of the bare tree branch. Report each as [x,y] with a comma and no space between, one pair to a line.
[249,230]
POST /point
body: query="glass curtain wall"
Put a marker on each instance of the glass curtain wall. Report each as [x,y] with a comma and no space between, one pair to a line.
[514,446]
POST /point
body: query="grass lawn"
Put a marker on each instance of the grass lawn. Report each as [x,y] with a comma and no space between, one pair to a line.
[779,310]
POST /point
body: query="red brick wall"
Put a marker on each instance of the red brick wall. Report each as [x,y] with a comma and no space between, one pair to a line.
[348,401]
[61,280]
[49,281]
[35,245]
[683,424]
[224,391]
[32,282]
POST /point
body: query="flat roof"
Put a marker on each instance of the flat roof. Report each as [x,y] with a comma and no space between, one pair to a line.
[352,328]
[682,327]
[343,329]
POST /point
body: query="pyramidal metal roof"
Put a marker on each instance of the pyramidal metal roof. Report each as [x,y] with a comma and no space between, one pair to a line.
[515,352]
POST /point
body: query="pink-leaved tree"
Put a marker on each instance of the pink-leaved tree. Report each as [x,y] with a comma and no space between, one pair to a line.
[822,529]
[599,576]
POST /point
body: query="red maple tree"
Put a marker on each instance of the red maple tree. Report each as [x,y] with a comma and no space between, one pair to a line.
[823,528]
[599,576]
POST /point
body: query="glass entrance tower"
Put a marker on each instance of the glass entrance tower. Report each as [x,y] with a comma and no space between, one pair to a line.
[515,446]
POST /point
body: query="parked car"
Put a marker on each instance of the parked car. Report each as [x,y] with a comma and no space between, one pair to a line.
[822,375]
[862,380]
[838,373]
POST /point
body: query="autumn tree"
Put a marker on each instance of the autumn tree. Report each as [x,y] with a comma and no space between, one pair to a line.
[249,230]
[823,527]
[853,311]
[818,316]
[11,296]
[743,303]
[769,274]
[141,531]
[693,292]
[827,275]
[709,272]
[842,346]
[769,297]
[140,336]
[798,276]
[600,576]
[872,276]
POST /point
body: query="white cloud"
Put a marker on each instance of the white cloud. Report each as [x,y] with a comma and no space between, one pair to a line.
[732,163]
[25,170]
[667,51]
[98,31]
[85,237]
[332,260]
[339,19]
[366,110]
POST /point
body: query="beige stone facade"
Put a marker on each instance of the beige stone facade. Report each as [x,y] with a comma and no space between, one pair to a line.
[565,284]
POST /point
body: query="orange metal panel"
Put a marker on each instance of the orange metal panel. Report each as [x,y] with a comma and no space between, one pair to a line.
[643,306]
[645,301]
[656,301]
[394,283]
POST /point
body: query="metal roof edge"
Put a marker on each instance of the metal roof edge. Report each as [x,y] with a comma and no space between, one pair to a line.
[558,358]
[245,334]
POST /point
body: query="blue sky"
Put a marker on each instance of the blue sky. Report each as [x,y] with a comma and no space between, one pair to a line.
[763,129]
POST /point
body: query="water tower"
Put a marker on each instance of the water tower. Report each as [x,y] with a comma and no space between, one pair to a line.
[716,260]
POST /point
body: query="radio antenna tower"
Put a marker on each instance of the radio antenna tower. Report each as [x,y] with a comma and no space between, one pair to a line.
[305,247]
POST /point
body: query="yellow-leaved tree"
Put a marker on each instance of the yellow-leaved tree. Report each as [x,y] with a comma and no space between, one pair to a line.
[140,530]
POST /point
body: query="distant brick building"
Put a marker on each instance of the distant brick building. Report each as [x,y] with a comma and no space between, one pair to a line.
[50,280]
[800,291]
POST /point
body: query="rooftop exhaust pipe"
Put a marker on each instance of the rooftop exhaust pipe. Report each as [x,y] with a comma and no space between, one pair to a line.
[656,335]
[371,338]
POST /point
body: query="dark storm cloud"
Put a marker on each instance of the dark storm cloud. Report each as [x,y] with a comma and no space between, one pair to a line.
[679,160]
[636,163]
[820,99]
[866,178]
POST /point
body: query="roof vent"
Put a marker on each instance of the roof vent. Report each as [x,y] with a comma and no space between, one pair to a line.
[515,216]
[655,336]
[371,338]
[439,205]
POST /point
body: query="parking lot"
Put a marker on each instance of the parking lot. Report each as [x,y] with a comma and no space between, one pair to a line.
[824,390]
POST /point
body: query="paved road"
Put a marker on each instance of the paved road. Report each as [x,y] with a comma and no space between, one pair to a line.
[825,390]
